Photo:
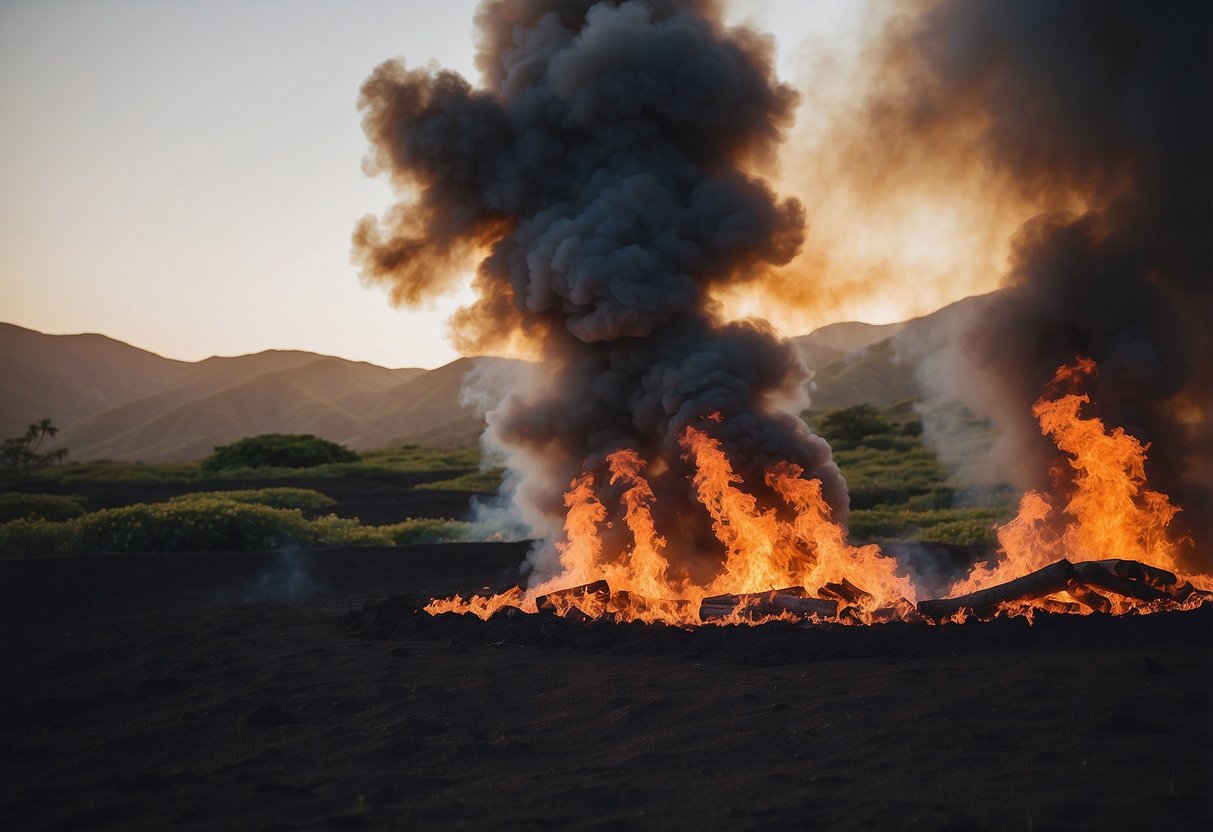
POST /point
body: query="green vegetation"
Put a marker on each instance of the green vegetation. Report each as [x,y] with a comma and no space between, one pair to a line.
[303,499]
[853,424]
[427,530]
[15,505]
[968,526]
[416,458]
[404,459]
[21,453]
[108,471]
[899,489]
[486,481]
[277,450]
[201,523]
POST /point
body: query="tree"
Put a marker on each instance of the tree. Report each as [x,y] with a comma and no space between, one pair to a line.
[22,452]
[42,428]
[851,424]
[277,450]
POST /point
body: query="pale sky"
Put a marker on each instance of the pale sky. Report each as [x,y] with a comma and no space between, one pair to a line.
[185,176]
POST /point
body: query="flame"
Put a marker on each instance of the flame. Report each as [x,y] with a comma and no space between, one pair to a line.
[1107,510]
[792,547]
[776,556]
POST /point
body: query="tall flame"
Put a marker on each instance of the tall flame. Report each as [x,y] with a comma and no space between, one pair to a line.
[1106,510]
[796,544]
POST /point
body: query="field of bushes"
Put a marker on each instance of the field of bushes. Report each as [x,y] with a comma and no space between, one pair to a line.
[899,491]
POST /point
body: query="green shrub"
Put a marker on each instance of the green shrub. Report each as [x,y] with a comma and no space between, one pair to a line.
[37,538]
[416,458]
[851,424]
[109,471]
[277,450]
[487,481]
[198,524]
[964,532]
[888,442]
[427,530]
[340,531]
[933,500]
[304,499]
[16,505]
[973,526]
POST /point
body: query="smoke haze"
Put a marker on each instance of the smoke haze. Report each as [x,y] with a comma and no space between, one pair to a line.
[603,183]
[600,180]
[1099,113]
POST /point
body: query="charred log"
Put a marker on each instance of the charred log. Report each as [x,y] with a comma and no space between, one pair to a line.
[631,605]
[1088,597]
[1052,578]
[1138,571]
[591,599]
[1055,606]
[844,592]
[1096,574]
[752,605]
[900,610]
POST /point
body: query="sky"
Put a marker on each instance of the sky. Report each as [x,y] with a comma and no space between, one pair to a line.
[185,176]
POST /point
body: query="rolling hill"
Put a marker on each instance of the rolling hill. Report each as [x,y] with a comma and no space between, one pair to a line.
[115,401]
[887,371]
[71,377]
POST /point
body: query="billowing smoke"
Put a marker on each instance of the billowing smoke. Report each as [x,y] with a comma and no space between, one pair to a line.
[1100,112]
[602,180]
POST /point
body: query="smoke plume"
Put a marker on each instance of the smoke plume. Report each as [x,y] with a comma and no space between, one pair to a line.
[601,180]
[1101,113]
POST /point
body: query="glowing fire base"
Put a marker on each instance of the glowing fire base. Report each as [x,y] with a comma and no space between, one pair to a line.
[1101,586]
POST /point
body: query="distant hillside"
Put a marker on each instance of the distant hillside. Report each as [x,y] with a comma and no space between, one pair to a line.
[114,401]
[263,393]
[817,356]
[849,336]
[426,410]
[886,372]
[71,377]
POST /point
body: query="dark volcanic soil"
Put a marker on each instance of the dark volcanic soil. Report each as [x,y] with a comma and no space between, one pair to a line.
[257,690]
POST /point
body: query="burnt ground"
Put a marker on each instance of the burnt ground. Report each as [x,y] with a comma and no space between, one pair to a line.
[305,691]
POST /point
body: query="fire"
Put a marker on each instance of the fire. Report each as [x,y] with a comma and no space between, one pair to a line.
[1106,511]
[783,549]
[1106,533]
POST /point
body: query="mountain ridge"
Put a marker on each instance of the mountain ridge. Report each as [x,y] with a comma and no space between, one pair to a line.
[113,400]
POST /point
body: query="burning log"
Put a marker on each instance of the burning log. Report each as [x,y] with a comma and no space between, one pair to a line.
[844,592]
[590,599]
[1053,578]
[900,610]
[1094,573]
[1054,606]
[1088,597]
[1138,571]
[629,605]
[1161,579]
[773,602]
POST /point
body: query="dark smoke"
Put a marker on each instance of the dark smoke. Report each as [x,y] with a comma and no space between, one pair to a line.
[1100,111]
[603,177]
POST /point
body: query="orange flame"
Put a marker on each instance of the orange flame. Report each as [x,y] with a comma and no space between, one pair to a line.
[1108,512]
[802,550]
[794,548]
